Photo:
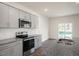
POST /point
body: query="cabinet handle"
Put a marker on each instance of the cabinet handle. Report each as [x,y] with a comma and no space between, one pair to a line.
[19,22]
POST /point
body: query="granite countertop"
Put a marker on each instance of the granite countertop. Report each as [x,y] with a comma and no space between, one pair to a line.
[34,35]
[9,40]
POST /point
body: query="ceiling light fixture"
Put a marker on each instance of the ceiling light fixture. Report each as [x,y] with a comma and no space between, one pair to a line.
[45,9]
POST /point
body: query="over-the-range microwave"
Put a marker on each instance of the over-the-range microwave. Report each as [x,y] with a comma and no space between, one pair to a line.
[24,24]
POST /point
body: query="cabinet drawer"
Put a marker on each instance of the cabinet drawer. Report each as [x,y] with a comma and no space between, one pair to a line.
[7,45]
[12,49]
[7,52]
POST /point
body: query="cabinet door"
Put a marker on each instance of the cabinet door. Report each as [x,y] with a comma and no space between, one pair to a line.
[8,52]
[14,49]
[22,15]
[34,21]
[28,17]
[19,48]
[4,15]
[13,17]
[37,41]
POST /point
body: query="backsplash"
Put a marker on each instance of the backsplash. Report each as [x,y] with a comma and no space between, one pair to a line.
[6,33]
[10,33]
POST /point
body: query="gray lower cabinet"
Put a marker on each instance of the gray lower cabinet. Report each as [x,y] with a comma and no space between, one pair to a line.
[37,41]
[4,16]
[19,48]
[12,49]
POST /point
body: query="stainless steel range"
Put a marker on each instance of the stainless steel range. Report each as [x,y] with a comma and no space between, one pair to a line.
[28,43]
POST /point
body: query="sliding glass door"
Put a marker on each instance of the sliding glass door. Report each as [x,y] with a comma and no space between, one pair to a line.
[65,31]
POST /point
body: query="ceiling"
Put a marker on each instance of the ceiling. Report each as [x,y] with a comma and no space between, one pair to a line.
[55,9]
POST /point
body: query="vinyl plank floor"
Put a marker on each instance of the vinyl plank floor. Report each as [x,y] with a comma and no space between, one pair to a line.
[52,48]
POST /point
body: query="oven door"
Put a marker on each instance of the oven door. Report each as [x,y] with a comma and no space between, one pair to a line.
[28,44]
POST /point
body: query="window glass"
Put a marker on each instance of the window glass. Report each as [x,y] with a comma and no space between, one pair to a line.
[65,31]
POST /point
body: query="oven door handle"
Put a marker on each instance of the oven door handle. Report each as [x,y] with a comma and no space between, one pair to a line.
[26,39]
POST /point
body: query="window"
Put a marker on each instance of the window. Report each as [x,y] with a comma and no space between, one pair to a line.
[65,31]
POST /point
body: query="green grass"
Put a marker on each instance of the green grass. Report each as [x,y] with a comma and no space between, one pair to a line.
[63,33]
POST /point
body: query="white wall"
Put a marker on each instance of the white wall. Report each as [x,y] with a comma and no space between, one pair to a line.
[42,25]
[74,19]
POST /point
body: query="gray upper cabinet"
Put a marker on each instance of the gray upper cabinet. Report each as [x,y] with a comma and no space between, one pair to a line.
[25,16]
[4,16]
[28,17]
[22,15]
[13,17]
[25,19]
[34,21]
[9,18]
